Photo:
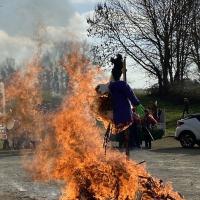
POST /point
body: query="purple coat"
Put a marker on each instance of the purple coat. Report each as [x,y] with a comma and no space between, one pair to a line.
[122,97]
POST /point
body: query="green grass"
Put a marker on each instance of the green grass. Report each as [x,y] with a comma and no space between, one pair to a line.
[173,110]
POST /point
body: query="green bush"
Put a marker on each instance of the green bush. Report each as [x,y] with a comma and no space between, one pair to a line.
[188,88]
[178,91]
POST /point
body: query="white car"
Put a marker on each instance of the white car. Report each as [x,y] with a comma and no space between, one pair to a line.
[188,130]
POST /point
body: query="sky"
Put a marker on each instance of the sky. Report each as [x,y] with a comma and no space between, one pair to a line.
[20,21]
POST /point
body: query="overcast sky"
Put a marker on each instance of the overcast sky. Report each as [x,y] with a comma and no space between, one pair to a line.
[20,19]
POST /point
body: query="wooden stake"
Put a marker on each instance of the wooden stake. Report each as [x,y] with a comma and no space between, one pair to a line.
[124,70]
[127,131]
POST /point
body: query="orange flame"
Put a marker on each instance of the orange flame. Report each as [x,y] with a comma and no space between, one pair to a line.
[74,152]
[22,98]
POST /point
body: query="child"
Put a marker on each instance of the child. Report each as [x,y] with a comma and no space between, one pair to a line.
[147,123]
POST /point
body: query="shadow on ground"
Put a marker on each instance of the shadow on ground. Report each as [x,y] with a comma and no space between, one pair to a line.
[8,153]
[178,150]
[169,145]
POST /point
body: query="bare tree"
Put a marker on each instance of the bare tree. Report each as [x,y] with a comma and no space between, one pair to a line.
[195,33]
[155,33]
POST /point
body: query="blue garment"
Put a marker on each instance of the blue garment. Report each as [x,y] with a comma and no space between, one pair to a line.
[122,97]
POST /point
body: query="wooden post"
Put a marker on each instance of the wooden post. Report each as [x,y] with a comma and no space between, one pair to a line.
[124,70]
[127,131]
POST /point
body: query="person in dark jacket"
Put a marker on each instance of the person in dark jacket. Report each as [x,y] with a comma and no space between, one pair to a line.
[122,97]
[186,107]
[147,123]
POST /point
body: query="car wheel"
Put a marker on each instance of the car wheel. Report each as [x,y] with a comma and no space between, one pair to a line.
[187,139]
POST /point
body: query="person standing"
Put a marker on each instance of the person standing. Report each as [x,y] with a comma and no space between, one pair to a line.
[147,123]
[186,107]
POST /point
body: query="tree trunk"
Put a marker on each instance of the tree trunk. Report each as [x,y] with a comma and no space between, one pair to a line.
[160,85]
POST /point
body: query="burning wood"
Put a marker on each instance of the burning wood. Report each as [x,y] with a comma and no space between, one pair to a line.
[154,189]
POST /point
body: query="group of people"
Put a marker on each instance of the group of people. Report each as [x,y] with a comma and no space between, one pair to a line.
[140,129]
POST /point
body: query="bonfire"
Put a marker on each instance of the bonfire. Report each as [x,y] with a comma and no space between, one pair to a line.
[73,152]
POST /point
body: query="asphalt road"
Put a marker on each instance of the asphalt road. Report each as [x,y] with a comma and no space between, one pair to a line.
[170,162]
[15,184]
[167,160]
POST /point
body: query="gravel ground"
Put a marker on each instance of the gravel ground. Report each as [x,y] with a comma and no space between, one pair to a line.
[15,184]
[167,160]
[170,162]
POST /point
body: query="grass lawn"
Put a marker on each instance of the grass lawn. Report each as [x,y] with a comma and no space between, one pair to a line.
[173,110]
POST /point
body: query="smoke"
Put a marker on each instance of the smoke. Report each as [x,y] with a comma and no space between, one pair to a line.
[18,48]
[24,20]
[22,16]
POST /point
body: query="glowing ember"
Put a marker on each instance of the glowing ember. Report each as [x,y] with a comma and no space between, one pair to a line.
[75,155]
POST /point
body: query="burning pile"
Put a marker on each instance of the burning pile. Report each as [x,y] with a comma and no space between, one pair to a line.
[75,155]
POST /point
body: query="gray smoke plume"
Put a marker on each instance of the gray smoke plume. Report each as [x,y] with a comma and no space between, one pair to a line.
[20,17]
